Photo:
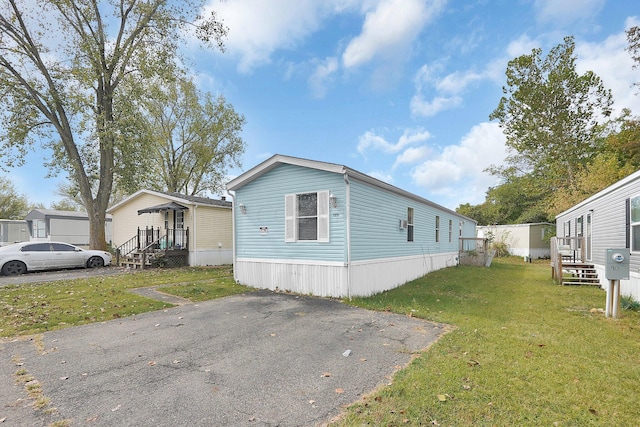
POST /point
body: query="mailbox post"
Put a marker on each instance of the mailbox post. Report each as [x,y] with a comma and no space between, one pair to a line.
[616,269]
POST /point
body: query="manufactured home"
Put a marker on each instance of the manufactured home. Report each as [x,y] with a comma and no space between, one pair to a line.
[196,230]
[62,226]
[13,231]
[325,229]
[610,219]
[530,241]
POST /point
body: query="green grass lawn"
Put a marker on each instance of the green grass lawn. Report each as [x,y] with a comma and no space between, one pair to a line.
[523,351]
[39,307]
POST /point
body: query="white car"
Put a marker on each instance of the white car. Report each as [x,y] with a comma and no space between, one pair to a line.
[31,256]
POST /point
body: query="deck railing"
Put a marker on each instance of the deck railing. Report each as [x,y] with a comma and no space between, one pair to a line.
[150,239]
[566,249]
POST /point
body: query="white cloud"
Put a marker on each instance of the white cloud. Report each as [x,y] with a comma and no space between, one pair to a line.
[389,29]
[447,89]
[382,176]
[411,155]
[613,64]
[456,82]
[371,141]
[322,75]
[421,107]
[561,12]
[260,27]
[523,45]
[457,172]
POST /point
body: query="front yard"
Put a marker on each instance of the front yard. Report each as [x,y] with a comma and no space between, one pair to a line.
[523,351]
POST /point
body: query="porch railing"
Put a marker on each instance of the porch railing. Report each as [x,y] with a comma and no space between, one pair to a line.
[567,250]
[150,239]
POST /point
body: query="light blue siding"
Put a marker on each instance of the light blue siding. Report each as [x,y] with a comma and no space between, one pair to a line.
[375,231]
[264,200]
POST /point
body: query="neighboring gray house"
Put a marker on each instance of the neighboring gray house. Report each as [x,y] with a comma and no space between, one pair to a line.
[13,231]
[525,240]
[324,229]
[63,226]
[607,220]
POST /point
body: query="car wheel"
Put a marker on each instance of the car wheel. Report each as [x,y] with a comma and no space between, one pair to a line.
[95,261]
[14,268]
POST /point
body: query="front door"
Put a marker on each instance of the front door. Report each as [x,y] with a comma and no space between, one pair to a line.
[178,217]
[588,237]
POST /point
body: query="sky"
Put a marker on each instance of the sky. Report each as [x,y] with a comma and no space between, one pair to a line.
[401,90]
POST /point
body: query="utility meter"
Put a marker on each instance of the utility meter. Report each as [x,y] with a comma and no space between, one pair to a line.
[617,264]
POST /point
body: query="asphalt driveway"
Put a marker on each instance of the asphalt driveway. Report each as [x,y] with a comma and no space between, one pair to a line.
[53,275]
[257,359]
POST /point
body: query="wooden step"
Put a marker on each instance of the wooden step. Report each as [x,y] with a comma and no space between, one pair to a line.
[579,273]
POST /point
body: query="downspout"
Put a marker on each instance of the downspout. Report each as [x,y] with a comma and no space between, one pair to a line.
[348,228]
[233,233]
[195,233]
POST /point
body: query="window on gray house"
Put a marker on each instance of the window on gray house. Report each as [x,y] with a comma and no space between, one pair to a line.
[437,229]
[634,207]
[409,224]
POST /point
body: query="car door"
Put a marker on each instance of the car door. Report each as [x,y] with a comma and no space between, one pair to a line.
[37,256]
[66,256]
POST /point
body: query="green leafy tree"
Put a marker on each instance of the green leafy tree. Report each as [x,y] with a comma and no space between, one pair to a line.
[75,91]
[12,204]
[195,138]
[515,201]
[618,158]
[551,116]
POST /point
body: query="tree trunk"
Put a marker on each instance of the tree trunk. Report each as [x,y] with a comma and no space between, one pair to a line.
[97,234]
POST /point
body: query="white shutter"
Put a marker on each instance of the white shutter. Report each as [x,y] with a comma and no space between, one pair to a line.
[323,216]
[289,217]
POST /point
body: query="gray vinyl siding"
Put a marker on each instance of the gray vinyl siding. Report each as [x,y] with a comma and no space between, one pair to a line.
[609,228]
[264,200]
[375,231]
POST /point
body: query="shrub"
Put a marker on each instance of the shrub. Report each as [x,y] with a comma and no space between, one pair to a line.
[629,303]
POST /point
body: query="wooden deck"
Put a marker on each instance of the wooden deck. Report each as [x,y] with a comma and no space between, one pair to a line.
[579,273]
[152,247]
[569,268]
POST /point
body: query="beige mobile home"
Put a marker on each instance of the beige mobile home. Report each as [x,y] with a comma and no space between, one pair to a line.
[198,227]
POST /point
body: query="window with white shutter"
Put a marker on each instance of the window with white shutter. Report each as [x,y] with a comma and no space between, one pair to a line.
[307,217]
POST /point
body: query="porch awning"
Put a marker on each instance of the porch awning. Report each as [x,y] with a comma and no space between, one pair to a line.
[172,206]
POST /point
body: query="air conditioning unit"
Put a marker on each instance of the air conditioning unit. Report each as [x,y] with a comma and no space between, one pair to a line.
[403,224]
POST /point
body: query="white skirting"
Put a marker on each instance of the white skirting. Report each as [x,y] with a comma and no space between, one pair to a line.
[203,258]
[530,252]
[332,279]
[629,287]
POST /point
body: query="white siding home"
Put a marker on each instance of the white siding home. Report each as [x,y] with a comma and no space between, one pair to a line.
[607,220]
[525,240]
[13,231]
[324,229]
[63,226]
